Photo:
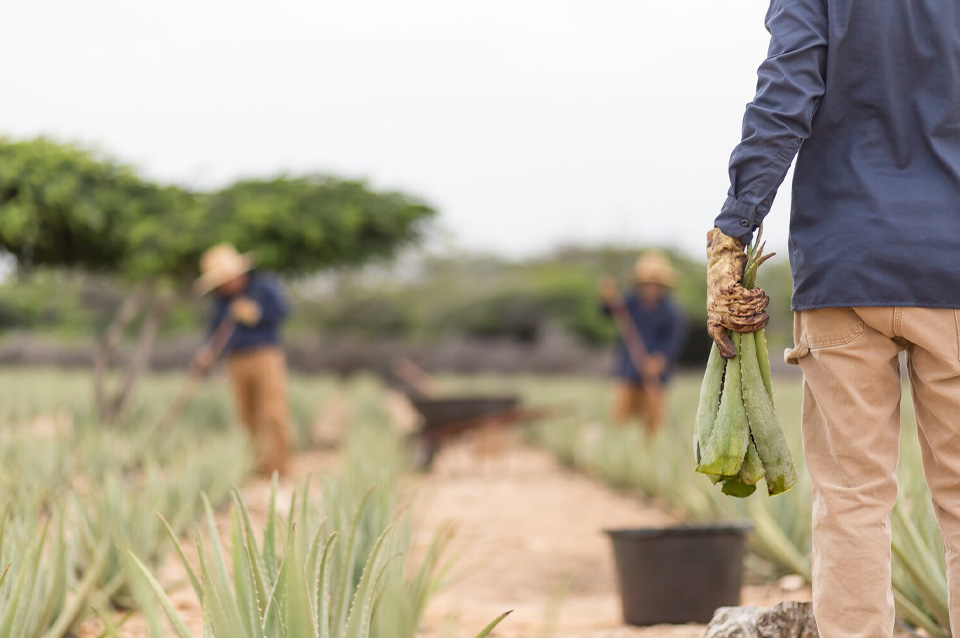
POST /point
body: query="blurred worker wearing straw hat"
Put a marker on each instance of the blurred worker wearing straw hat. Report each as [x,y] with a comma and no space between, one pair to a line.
[652,333]
[252,305]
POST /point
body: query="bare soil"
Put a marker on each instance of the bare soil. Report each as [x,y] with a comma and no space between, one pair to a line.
[530,539]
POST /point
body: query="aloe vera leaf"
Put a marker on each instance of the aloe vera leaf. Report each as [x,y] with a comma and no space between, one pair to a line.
[752,470]
[781,474]
[763,358]
[168,607]
[347,570]
[910,612]
[709,404]
[323,587]
[191,575]
[773,543]
[738,489]
[270,533]
[493,625]
[724,452]
[922,565]
[362,606]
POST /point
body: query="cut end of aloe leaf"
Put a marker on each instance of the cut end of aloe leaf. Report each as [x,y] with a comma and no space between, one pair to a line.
[737,489]
[722,466]
[781,484]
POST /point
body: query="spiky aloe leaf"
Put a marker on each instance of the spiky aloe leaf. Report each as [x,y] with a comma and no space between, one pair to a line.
[251,543]
[493,625]
[218,601]
[709,403]
[191,575]
[111,629]
[751,472]
[270,533]
[724,452]
[323,584]
[346,573]
[780,472]
[243,586]
[165,603]
[907,610]
[922,566]
[361,609]
[300,620]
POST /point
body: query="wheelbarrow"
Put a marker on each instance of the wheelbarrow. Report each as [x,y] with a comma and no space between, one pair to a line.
[445,419]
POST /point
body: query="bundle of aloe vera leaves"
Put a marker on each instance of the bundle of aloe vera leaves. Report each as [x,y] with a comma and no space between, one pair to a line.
[738,440]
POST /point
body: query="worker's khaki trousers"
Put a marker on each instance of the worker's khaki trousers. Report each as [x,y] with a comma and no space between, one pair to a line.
[259,381]
[632,400]
[851,423]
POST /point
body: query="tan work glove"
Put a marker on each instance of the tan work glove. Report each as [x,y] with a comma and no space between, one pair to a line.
[608,289]
[246,311]
[730,306]
[203,360]
[655,366]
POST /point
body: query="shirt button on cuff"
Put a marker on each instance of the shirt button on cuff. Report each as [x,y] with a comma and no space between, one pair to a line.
[744,223]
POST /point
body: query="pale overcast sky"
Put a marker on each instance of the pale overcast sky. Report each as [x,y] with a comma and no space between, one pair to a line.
[529,123]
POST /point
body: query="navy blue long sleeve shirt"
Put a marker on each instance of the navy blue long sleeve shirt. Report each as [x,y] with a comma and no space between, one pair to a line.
[868,92]
[663,329]
[265,290]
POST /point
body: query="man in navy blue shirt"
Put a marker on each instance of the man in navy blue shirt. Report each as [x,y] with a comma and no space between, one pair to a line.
[253,303]
[868,93]
[662,329]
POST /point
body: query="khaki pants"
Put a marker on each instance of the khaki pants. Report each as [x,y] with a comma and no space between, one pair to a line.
[851,424]
[635,401]
[259,381]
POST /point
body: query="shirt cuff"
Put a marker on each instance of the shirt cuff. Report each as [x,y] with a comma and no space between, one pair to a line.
[737,219]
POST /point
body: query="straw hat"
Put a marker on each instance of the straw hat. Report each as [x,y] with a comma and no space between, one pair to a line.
[654,268]
[219,265]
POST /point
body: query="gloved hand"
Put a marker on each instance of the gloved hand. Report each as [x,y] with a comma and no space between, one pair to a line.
[608,289]
[654,366]
[203,360]
[246,311]
[730,306]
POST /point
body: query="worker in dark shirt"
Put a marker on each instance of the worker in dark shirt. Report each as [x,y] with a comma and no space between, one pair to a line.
[868,93]
[656,319]
[251,303]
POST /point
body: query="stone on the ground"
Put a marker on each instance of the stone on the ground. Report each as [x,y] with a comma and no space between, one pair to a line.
[786,620]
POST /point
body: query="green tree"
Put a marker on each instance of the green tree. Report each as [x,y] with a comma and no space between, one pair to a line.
[66,207]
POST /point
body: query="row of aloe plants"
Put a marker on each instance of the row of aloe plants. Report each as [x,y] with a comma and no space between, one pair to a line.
[661,469]
[337,566]
[74,496]
[89,515]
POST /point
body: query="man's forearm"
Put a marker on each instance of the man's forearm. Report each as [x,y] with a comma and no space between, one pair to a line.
[791,83]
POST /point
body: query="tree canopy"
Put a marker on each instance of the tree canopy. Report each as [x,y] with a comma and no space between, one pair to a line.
[61,205]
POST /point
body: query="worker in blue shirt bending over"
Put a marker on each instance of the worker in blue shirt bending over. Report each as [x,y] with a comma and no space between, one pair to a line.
[653,330]
[251,306]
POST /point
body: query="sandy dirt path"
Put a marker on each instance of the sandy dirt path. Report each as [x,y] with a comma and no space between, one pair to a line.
[530,538]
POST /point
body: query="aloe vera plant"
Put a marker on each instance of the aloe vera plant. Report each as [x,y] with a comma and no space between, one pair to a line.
[738,438]
[300,590]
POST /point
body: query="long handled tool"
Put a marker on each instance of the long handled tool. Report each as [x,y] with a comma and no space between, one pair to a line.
[215,346]
[631,338]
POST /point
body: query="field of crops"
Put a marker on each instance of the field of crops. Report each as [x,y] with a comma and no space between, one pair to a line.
[81,542]
[82,550]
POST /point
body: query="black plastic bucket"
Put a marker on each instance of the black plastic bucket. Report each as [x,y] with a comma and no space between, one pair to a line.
[682,574]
